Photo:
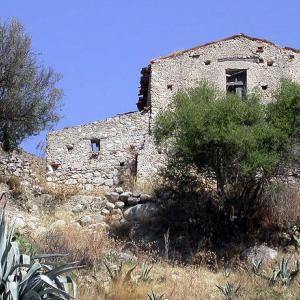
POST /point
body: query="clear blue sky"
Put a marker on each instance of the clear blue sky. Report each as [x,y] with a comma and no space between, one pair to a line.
[100,45]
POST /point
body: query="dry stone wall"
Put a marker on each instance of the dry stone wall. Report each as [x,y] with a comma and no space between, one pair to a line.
[72,161]
[29,168]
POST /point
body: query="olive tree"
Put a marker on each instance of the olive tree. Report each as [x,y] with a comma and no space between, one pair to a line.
[29,97]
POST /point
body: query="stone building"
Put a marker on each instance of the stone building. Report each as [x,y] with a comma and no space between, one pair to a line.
[106,152]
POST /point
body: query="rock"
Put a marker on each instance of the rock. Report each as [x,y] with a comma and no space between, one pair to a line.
[40,231]
[109,182]
[119,190]
[101,225]
[85,220]
[98,219]
[78,208]
[262,252]
[120,204]
[143,213]
[20,223]
[109,206]
[133,201]
[112,197]
[124,196]
[145,198]
[124,256]
[105,212]
[57,225]
[136,194]
[116,211]
[116,217]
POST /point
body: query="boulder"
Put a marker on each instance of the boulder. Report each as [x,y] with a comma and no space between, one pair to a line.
[105,211]
[145,198]
[78,208]
[116,211]
[136,194]
[85,220]
[119,190]
[120,204]
[124,196]
[112,197]
[262,252]
[142,213]
[109,206]
[133,201]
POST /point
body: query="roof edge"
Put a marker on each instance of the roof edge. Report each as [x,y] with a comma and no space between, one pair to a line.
[240,35]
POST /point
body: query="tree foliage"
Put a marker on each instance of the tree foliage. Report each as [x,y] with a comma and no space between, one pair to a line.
[29,98]
[238,143]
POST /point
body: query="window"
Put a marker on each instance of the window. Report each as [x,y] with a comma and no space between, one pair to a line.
[236,81]
[95,143]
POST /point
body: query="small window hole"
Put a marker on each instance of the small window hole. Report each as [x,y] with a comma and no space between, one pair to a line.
[95,144]
[170,87]
[207,62]
[260,49]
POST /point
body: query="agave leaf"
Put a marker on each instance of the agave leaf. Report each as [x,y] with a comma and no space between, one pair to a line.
[31,295]
[128,274]
[42,256]
[63,269]
[25,259]
[13,289]
[33,269]
[49,282]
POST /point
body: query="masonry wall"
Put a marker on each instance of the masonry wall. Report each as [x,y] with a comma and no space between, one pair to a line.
[265,66]
[187,69]
[30,169]
[71,161]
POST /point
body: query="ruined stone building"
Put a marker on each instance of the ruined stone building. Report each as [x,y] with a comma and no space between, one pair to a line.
[103,152]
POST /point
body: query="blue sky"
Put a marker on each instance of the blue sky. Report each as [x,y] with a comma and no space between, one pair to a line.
[100,46]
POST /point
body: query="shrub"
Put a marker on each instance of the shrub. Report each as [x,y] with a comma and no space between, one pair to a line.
[239,144]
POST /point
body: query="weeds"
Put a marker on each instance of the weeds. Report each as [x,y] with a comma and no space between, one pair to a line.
[230,291]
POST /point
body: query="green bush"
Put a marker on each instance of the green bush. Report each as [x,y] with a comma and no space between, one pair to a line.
[240,144]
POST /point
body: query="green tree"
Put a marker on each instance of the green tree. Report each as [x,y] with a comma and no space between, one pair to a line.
[238,143]
[29,98]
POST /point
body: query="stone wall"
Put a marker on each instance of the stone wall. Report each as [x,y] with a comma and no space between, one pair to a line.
[29,168]
[266,64]
[72,161]
[126,143]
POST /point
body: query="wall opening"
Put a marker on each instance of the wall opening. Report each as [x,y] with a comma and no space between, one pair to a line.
[236,81]
[95,144]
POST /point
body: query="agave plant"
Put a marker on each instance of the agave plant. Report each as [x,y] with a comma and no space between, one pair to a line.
[256,266]
[116,273]
[283,273]
[229,290]
[153,296]
[26,278]
[145,273]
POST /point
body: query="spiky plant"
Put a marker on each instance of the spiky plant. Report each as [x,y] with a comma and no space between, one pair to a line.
[283,273]
[229,290]
[26,278]
[145,273]
[153,296]
[256,266]
[116,273]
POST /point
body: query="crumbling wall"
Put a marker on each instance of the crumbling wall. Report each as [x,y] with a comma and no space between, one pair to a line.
[29,168]
[265,63]
[72,161]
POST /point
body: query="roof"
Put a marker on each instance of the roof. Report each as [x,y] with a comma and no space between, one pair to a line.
[236,36]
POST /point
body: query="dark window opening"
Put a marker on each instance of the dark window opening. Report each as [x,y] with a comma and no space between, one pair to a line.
[170,87]
[95,143]
[291,57]
[70,147]
[207,62]
[55,166]
[236,81]
[260,49]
